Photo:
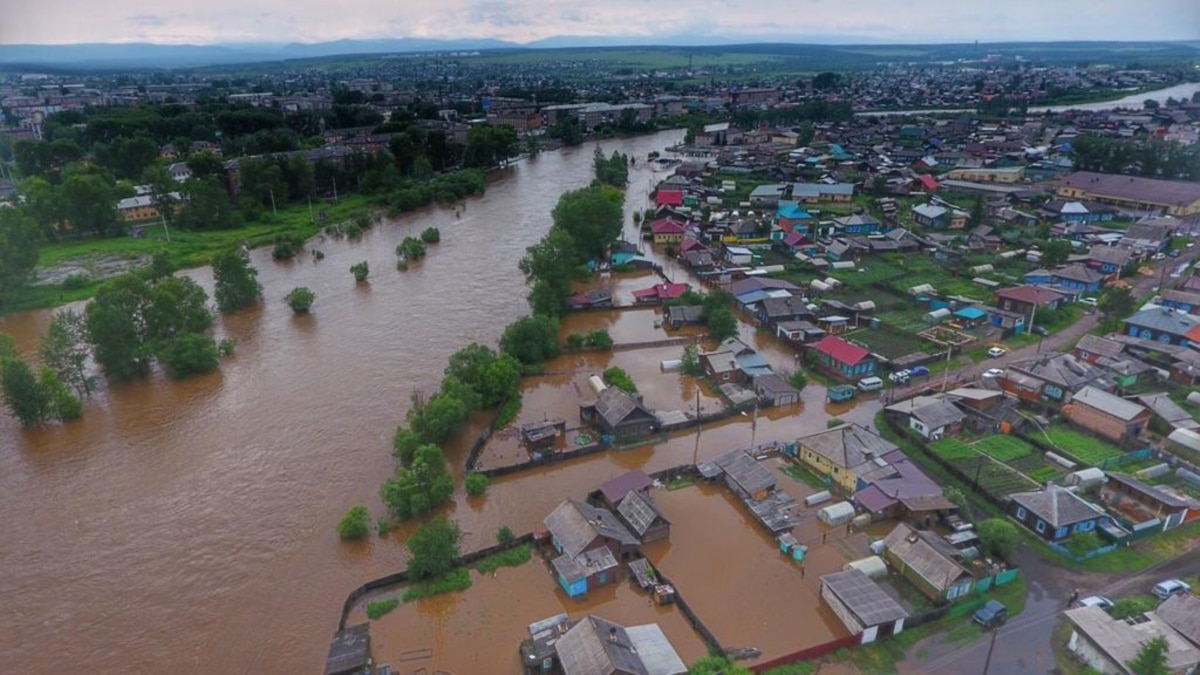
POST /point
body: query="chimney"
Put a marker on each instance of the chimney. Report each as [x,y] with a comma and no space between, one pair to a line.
[612,634]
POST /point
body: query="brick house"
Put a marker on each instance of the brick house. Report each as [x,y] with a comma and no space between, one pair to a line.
[1106,415]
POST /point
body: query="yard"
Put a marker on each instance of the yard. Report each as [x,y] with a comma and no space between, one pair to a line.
[1084,447]
[994,477]
[1003,448]
[888,344]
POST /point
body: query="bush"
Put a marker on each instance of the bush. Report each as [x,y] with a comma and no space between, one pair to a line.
[575,341]
[798,380]
[226,347]
[513,557]
[998,536]
[377,608]
[300,299]
[431,235]
[617,377]
[1083,543]
[691,361]
[1133,606]
[455,580]
[476,483]
[360,271]
[599,339]
[287,246]
[504,535]
[834,422]
[383,525]
[532,339]
[188,354]
[75,282]
[410,249]
[508,412]
[355,524]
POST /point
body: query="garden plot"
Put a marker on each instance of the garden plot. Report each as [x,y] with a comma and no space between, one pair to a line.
[996,478]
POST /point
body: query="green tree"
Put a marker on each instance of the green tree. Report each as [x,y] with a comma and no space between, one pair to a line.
[593,216]
[1136,605]
[23,394]
[617,377]
[236,281]
[1151,658]
[978,211]
[356,524]
[433,549]
[999,537]
[61,404]
[405,444]
[420,487]
[798,379]
[89,203]
[1055,253]
[206,206]
[549,267]
[164,191]
[504,535]
[1117,303]
[176,306]
[476,484]
[127,157]
[440,418]
[116,327]
[300,299]
[64,350]
[360,270]
[188,354]
[691,361]
[722,324]
[599,339]
[956,497]
[532,339]
[205,164]
[19,242]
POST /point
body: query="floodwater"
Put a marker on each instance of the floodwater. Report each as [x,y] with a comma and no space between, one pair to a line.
[1179,92]
[190,525]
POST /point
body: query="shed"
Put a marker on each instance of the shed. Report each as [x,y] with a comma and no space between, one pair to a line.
[1186,439]
[1194,398]
[873,566]
[862,605]
[836,514]
[922,289]
[937,315]
[1085,478]
[350,651]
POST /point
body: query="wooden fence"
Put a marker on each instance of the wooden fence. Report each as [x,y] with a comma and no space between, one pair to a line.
[808,653]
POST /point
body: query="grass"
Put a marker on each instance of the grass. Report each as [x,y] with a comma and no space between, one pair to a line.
[1084,447]
[890,345]
[185,249]
[1003,448]
[513,557]
[803,475]
[377,608]
[681,482]
[952,448]
[455,580]
[1143,554]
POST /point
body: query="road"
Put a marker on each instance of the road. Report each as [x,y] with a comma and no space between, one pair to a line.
[1023,645]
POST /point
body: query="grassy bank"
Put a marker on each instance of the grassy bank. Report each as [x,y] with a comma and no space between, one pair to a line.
[185,248]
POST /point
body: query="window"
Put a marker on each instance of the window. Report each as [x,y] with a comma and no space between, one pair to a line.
[1021,513]
[1041,526]
[1060,533]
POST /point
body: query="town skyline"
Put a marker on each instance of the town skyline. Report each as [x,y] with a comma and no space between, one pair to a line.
[222,22]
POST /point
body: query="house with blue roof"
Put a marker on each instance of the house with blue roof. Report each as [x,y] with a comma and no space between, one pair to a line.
[1161,324]
[970,316]
[793,217]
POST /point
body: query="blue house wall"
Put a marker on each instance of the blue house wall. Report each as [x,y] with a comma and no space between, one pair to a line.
[861,369]
[1148,334]
[573,590]
[1076,285]
[1185,307]
[1050,533]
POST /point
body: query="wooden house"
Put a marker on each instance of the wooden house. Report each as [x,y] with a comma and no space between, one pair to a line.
[620,414]
[928,563]
[1147,505]
[1106,415]
[350,651]
[595,646]
[1055,513]
[591,542]
[639,513]
[851,455]
[844,359]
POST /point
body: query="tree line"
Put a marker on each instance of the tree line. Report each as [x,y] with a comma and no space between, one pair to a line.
[1148,157]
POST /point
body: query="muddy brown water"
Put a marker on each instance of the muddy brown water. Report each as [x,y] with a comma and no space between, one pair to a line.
[190,525]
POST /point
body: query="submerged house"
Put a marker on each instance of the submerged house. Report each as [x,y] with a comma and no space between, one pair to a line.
[596,646]
[843,358]
[639,513]
[591,542]
[619,414]
[853,456]
[350,652]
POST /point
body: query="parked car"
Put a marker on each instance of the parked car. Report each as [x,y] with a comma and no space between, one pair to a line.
[1041,330]
[918,371]
[993,372]
[991,615]
[997,352]
[1097,601]
[900,376]
[1089,301]
[1165,589]
[1174,253]
[1158,256]
[870,384]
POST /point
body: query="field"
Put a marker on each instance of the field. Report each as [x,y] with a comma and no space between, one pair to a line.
[1003,448]
[1081,446]
[994,477]
[890,345]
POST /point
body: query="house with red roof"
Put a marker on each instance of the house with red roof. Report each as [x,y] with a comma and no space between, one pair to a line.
[844,359]
[928,182]
[667,231]
[668,198]
[659,293]
[1025,299]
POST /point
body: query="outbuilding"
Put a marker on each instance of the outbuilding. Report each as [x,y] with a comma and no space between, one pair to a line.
[861,605]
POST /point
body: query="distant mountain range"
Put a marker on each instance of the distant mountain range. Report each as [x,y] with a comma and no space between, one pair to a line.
[97,56]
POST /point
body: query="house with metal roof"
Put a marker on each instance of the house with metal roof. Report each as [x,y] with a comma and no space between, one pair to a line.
[615,489]
[591,542]
[1182,612]
[1108,645]
[1109,259]
[1141,506]
[1176,198]
[861,605]
[1055,513]
[927,562]
[846,360]
[1107,415]
[852,455]
[930,215]
[1052,376]
[1090,348]
[619,414]
[1162,324]
[1027,300]
[933,417]
[643,518]
[596,646]
[1181,301]
[908,492]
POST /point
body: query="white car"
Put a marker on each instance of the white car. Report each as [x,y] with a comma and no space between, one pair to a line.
[1166,589]
[899,376]
[1097,601]
[997,352]
[1089,301]
[993,372]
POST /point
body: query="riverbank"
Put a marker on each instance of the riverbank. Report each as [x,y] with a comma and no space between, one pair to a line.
[1116,99]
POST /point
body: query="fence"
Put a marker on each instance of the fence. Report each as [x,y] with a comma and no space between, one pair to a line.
[402,576]
[1066,553]
[690,614]
[808,653]
[969,481]
[548,458]
[1127,458]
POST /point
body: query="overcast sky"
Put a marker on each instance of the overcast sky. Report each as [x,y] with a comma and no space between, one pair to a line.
[223,21]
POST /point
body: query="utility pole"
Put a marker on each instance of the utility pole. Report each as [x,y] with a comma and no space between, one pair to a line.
[946,371]
[273,211]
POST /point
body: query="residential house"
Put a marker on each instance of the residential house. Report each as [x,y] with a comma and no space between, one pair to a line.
[984,237]
[720,365]
[591,541]
[620,414]
[844,359]
[861,224]
[1108,645]
[738,255]
[1104,414]
[812,193]
[931,215]
[861,605]
[744,475]
[767,195]
[639,513]
[141,207]
[1181,301]
[928,562]
[1150,237]
[906,494]
[660,293]
[850,454]
[793,218]
[613,490]
[773,310]
[1176,198]
[933,417]
[1162,324]
[1006,174]
[1072,211]
[773,390]
[1052,376]
[806,332]
[667,231]
[1147,506]
[1162,407]
[350,651]
[593,299]
[1185,367]
[1182,612]
[1091,348]
[795,244]
[1109,259]
[596,646]
[679,316]
[1055,513]
[1027,300]
[1077,279]
[668,198]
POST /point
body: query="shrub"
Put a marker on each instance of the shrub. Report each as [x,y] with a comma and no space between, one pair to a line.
[431,235]
[383,525]
[691,361]
[454,580]
[377,608]
[600,339]
[617,377]
[353,230]
[834,422]
[226,347]
[513,557]
[75,282]
[1083,543]
[575,342]
[504,535]
[287,246]
[508,412]
[1133,606]
[798,380]
[355,524]
[300,299]
[410,249]
[360,271]
[998,536]
[476,483]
